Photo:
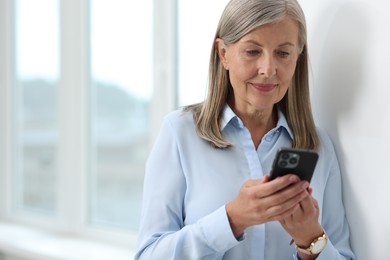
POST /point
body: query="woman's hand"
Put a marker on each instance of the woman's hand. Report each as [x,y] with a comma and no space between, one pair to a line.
[261,201]
[302,224]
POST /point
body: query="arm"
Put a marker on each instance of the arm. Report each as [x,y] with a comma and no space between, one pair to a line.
[330,211]
[163,233]
[334,219]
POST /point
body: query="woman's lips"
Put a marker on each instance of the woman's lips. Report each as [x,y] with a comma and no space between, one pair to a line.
[264,87]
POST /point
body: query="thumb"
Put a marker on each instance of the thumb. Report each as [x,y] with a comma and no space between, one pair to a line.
[265,179]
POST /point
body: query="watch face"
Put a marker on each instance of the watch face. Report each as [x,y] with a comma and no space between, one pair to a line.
[318,246]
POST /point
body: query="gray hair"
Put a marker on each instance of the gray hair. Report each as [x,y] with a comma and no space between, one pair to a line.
[239,18]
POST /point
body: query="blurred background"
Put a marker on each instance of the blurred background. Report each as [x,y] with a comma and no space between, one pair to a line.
[84,85]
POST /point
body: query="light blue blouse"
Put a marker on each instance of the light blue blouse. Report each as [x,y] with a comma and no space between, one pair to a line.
[188,183]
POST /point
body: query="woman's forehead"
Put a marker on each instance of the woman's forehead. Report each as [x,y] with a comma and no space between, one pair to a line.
[284,32]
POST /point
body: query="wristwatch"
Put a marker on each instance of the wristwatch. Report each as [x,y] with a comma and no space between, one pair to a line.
[315,247]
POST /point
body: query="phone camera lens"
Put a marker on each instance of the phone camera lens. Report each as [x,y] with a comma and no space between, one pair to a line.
[283,163]
[288,160]
[293,160]
[285,156]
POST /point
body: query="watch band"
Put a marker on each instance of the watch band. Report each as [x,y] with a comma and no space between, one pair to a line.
[315,247]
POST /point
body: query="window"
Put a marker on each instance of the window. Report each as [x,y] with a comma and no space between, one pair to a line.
[37,75]
[84,87]
[121,63]
[195,42]
[80,78]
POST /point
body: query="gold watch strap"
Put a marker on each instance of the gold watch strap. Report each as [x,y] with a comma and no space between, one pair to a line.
[308,250]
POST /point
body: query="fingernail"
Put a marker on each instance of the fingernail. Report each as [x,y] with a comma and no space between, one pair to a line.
[294,178]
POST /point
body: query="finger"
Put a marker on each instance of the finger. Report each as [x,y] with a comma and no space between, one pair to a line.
[265,178]
[287,207]
[315,203]
[309,205]
[286,216]
[287,194]
[276,185]
[255,182]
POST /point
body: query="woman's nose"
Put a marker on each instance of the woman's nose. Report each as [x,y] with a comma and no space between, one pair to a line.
[267,66]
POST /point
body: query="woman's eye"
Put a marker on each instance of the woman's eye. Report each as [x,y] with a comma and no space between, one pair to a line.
[252,52]
[283,54]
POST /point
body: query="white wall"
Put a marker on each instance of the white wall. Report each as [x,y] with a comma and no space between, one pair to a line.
[349,43]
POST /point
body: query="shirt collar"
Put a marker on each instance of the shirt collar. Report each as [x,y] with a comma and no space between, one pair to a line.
[282,123]
[229,117]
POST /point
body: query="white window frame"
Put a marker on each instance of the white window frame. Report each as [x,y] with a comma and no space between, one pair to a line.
[74,116]
[6,81]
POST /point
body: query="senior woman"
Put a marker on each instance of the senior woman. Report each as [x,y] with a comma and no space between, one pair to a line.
[207,194]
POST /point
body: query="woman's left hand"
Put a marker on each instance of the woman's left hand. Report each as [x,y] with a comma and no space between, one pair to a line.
[302,224]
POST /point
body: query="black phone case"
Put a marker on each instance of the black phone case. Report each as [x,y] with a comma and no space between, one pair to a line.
[296,161]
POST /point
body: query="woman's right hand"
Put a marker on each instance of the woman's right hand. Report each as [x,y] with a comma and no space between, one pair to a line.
[261,201]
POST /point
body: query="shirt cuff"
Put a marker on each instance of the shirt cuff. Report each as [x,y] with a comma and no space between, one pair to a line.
[328,253]
[217,231]
[296,256]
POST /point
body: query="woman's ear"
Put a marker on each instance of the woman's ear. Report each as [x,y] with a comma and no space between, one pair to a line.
[221,50]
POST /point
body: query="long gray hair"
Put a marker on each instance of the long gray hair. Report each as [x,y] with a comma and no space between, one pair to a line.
[238,19]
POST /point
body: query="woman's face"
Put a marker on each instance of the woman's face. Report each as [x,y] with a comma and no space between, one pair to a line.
[261,65]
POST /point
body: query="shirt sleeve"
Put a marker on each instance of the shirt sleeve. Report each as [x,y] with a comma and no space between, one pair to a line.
[334,219]
[163,234]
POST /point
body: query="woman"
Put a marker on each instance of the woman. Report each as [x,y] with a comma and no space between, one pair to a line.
[206,193]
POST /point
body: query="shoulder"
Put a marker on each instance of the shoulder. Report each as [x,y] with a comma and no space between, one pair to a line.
[180,118]
[327,148]
[175,130]
[180,129]
[179,123]
[327,172]
[324,136]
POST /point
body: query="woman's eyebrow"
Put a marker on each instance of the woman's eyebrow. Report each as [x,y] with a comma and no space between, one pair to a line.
[251,41]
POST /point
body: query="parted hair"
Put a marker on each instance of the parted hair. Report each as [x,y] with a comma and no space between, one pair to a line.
[238,19]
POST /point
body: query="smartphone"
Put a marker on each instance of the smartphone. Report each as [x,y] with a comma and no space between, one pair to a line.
[296,161]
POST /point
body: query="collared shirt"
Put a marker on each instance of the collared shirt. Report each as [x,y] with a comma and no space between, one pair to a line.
[188,182]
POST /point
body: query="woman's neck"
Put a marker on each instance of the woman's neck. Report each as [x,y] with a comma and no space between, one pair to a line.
[258,122]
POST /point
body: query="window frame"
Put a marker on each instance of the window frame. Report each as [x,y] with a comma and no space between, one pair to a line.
[6,81]
[74,88]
